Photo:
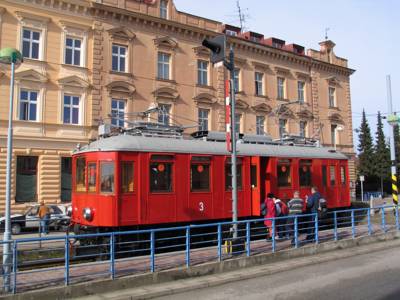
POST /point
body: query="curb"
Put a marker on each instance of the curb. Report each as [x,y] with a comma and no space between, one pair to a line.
[143,286]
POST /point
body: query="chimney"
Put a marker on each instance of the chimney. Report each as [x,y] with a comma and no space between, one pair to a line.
[327,49]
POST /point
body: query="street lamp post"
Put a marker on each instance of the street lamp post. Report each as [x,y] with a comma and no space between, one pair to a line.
[13,57]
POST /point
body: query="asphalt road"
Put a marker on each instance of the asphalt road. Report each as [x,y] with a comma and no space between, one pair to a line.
[368,276]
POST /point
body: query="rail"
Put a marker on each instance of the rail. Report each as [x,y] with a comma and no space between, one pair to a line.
[70,259]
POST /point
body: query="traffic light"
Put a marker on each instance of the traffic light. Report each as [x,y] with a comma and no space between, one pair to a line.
[217,47]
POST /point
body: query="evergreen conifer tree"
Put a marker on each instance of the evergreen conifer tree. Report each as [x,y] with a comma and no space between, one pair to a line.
[381,155]
[365,150]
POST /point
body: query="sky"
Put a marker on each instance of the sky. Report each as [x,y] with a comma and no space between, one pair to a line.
[366,32]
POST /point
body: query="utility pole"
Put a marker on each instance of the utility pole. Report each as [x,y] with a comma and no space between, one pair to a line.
[392,120]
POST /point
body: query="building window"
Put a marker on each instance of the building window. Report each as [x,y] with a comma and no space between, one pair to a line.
[127,173]
[161,175]
[332,97]
[236,80]
[163,65]
[281,88]
[73,51]
[300,91]
[228,174]
[117,112]
[119,58]
[231,32]
[202,72]
[66,179]
[200,174]
[28,105]
[164,113]
[203,119]
[284,174]
[163,9]
[303,129]
[71,109]
[26,185]
[238,119]
[107,177]
[260,125]
[30,43]
[282,127]
[305,173]
[259,83]
[333,134]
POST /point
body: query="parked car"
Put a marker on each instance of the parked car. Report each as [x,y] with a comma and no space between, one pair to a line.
[31,221]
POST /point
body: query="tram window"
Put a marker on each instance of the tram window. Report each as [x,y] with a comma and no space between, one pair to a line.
[284,176]
[161,177]
[343,175]
[253,174]
[92,174]
[80,175]
[228,174]
[162,157]
[332,175]
[305,173]
[324,176]
[200,174]
[107,177]
[127,185]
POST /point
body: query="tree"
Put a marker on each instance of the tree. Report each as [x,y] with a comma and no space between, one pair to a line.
[365,150]
[382,154]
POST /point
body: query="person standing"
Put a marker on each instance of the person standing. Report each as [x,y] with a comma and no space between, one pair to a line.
[312,208]
[270,214]
[44,215]
[295,206]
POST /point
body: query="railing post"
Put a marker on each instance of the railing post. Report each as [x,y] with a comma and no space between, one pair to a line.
[15,266]
[273,235]
[296,231]
[397,217]
[383,219]
[66,272]
[369,221]
[248,238]
[353,229]
[187,246]
[335,229]
[152,251]
[219,242]
[112,255]
[316,227]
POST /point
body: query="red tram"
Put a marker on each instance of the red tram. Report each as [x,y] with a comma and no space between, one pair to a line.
[128,181]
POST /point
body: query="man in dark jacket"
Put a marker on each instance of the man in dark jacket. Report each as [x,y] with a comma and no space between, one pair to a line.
[312,208]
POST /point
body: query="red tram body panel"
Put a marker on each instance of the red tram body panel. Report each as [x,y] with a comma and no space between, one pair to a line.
[129,181]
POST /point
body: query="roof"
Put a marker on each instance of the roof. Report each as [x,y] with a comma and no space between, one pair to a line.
[200,146]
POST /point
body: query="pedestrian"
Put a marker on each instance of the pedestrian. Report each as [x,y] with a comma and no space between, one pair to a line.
[44,215]
[312,203]
[281,212]
[295,206]
[270,214]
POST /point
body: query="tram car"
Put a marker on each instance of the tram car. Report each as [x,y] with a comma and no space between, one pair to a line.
[134,180]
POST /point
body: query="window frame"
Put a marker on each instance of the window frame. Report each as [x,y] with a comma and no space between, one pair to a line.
[288,163]
[260,126]
[164,159]
[236,80]
[303,128]
[84,186]
[163,9]
[259,83]
[31,42]
[332,97]
[281,90]
[305,163]
[283,129]
[119,57]
[163,65]
[31,170]
[334,139]
[118,110]
[228,176]
[101,164]
[28,102]
[89,177]
[202,72]
[71,107]
[123,175]
[73,49]
[162,116]
[203,121]
[301,91]
[333,182]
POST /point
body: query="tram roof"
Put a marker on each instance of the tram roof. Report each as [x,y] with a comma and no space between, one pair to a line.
[200,146]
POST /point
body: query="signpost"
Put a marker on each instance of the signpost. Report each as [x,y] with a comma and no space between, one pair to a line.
[362,179]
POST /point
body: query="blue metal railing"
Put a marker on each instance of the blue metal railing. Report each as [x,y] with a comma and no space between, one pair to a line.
[115,254]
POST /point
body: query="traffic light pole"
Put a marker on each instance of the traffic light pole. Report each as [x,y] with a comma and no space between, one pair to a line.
[231,67]
[392,143]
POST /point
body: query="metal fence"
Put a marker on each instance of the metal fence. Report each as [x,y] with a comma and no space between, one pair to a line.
[70,259]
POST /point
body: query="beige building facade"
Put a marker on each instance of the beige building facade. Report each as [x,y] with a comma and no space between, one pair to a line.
[95,60]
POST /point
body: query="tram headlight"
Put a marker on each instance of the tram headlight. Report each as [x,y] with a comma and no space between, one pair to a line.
[87,214]
[69,211]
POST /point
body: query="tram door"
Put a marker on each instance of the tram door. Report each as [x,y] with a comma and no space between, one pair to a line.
[255,186]
[128,205]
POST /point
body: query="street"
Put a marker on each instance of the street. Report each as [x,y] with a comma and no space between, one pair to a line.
[368,276]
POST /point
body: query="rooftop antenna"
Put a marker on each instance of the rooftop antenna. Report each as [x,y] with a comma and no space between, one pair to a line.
[242,16]
[326,33]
